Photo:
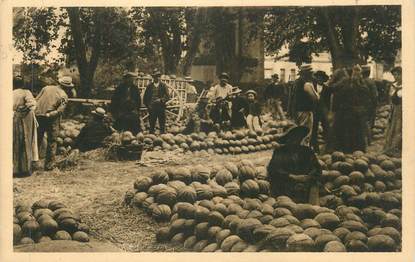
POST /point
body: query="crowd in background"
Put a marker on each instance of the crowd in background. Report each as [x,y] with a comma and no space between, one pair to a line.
[344,105]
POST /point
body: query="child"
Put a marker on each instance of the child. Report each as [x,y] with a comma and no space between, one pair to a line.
[253,111]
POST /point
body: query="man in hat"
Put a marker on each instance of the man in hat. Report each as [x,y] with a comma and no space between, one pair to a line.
[321,113]
[125,105]
[253,111]
[218,95]
[95,131]
[155,98]
[274,94]
[304,100]
[51,103]
[373,103]
[190,90]
[238,109]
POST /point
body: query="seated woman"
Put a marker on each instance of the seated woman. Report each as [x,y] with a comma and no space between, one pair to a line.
[94,132]
[253,111]
[293,164]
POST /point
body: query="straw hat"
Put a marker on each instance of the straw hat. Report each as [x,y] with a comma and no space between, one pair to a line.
[66,81]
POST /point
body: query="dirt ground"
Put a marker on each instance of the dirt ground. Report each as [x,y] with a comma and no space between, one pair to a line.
[96,188]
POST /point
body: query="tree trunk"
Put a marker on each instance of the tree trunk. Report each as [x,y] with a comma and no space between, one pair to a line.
[195,39]
[86,68]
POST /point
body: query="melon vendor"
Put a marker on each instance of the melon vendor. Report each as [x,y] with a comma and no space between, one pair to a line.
[294,164]
[95,131]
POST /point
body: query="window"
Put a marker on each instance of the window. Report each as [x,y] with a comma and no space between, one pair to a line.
[267,73]
[292,74]
[282,75]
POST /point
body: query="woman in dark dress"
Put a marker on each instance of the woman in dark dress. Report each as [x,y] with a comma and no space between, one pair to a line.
[350,107]
[393,143]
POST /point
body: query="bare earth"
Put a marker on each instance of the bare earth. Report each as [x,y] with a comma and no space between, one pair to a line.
[96,188]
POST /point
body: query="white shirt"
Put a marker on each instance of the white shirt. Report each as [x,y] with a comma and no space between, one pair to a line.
[219,91]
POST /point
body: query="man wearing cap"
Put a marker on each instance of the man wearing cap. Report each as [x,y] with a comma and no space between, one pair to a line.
[322,107]
[51,103]
[155,98]
[125,105]
[274,94]
[190,90]
[218,95]
[95,131]
[304,101]
[373,103]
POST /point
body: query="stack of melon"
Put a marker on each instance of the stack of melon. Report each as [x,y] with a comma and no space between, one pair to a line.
[69,130]
[361,180]
[267,224]
[46,221]
[229,208]
[158,193]
[381,122]
[235,142]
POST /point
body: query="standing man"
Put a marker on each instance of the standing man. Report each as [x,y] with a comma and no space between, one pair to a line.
[274,93]
[305,100]
[190,90]
[238,109]
[373,103]
[156,96]
[51,103]
[322,108]
[125,105]
[218,95]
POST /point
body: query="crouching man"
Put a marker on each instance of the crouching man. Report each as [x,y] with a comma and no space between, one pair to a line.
[95,131]
[293,163]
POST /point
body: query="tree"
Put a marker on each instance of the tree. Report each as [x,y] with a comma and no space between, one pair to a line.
[350,33]
[89,36]
[164,30]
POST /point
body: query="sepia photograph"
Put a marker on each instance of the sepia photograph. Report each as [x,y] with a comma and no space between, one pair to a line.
[207,129]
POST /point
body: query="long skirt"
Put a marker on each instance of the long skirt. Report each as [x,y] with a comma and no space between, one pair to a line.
[393,143]
[350,131]
[24,143]
[305,119]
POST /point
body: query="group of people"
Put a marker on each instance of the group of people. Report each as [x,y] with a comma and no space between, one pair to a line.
[223,107]
[35,117]
[345,105]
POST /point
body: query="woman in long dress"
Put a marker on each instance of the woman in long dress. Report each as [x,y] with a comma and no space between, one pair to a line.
[25,149]
[393,143]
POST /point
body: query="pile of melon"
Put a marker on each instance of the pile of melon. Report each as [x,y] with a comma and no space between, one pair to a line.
[381,122]
[229,208]
[159,193]
[46,221]
[234,224]
[230,142]
[69,131]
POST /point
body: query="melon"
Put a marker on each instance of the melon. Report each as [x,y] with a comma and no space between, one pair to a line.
[80,236]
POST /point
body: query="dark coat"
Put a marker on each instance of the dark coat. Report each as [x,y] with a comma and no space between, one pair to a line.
[163,95]
[92,135]
[253,108]
[292,159]
[126,99]
[237,119]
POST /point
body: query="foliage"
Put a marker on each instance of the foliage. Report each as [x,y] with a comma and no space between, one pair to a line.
[351,34]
